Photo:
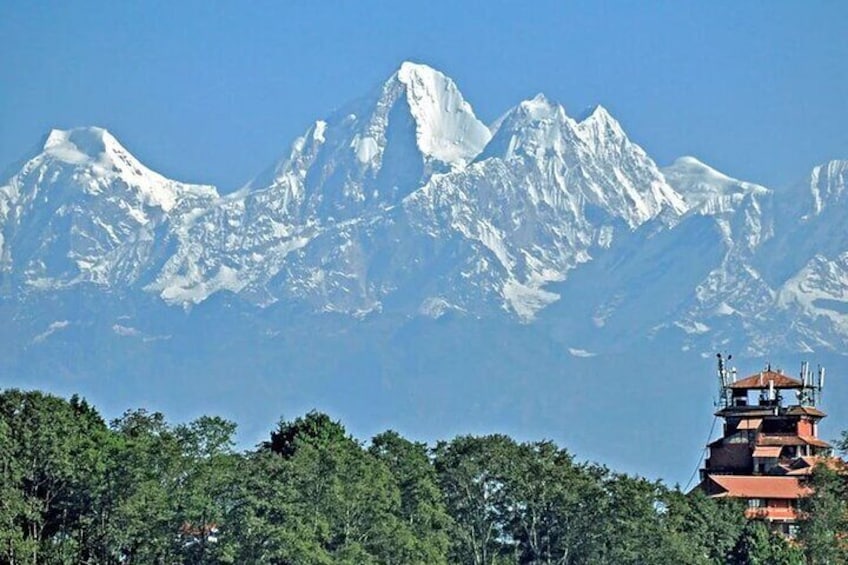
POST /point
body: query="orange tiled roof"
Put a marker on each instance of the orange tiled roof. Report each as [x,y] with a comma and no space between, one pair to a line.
[741,486]
[814,441]
[761,381]
[767,451]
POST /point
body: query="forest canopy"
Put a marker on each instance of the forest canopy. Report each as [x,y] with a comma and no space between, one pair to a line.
[77,489]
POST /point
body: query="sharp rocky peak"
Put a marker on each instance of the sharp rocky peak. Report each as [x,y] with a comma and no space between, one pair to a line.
[446,126]
[373,152]
[599,123]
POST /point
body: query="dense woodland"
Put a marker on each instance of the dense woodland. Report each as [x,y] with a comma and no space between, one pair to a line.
[76,489]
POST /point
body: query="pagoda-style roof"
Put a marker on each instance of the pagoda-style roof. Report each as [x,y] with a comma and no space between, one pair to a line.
[742,486]
[756,411]
[806,465]
[790,439]
[762,380]
[805,410]
[773,440]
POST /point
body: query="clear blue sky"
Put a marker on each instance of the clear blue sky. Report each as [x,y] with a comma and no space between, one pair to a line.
[214,91]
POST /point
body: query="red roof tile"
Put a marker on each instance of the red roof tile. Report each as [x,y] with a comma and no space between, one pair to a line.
[761,381]
[752,424]
[741,486]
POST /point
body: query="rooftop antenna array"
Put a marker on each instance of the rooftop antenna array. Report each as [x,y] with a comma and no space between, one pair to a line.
[811,387]
[726,376]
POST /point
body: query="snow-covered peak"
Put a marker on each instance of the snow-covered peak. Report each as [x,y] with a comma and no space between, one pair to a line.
[78,145]
[92,146]
[539,108]
[600,125]
[98,157]
[706,189]
[446,127]
[411,72]
[375,151]
[84,209]
[533,128]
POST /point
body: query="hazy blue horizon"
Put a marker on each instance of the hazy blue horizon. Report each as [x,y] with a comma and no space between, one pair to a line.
[213,93]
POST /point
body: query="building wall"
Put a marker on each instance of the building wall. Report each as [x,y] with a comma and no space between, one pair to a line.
[736,457]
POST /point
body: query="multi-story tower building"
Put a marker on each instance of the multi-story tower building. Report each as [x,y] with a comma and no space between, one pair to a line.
[769,444]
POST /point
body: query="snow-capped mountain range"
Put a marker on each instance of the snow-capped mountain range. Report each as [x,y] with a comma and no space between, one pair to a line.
[404,202]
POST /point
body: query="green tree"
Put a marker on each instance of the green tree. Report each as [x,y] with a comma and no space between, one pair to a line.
[824,527]
[549,505]
[471,473]
[318,497]
[205,489]
[51,466]
[705,529]
[422,527]
[316,429]
[14,546]
[633,523]
[268,523]
[143,489]
[758,546]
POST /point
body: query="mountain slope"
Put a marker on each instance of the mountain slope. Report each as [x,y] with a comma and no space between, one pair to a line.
[83,209]
[404,204]
[344,172]
[403,199]
[546,194]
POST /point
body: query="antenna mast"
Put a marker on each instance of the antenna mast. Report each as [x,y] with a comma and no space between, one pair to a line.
[724,381]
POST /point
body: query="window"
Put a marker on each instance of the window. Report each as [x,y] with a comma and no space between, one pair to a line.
[756,503]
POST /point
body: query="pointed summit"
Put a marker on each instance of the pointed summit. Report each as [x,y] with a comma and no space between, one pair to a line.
[374,152]
[410,71]
[534,128]
[540,107]
[601,124]
[96,151]
[82,145]
[446,127]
